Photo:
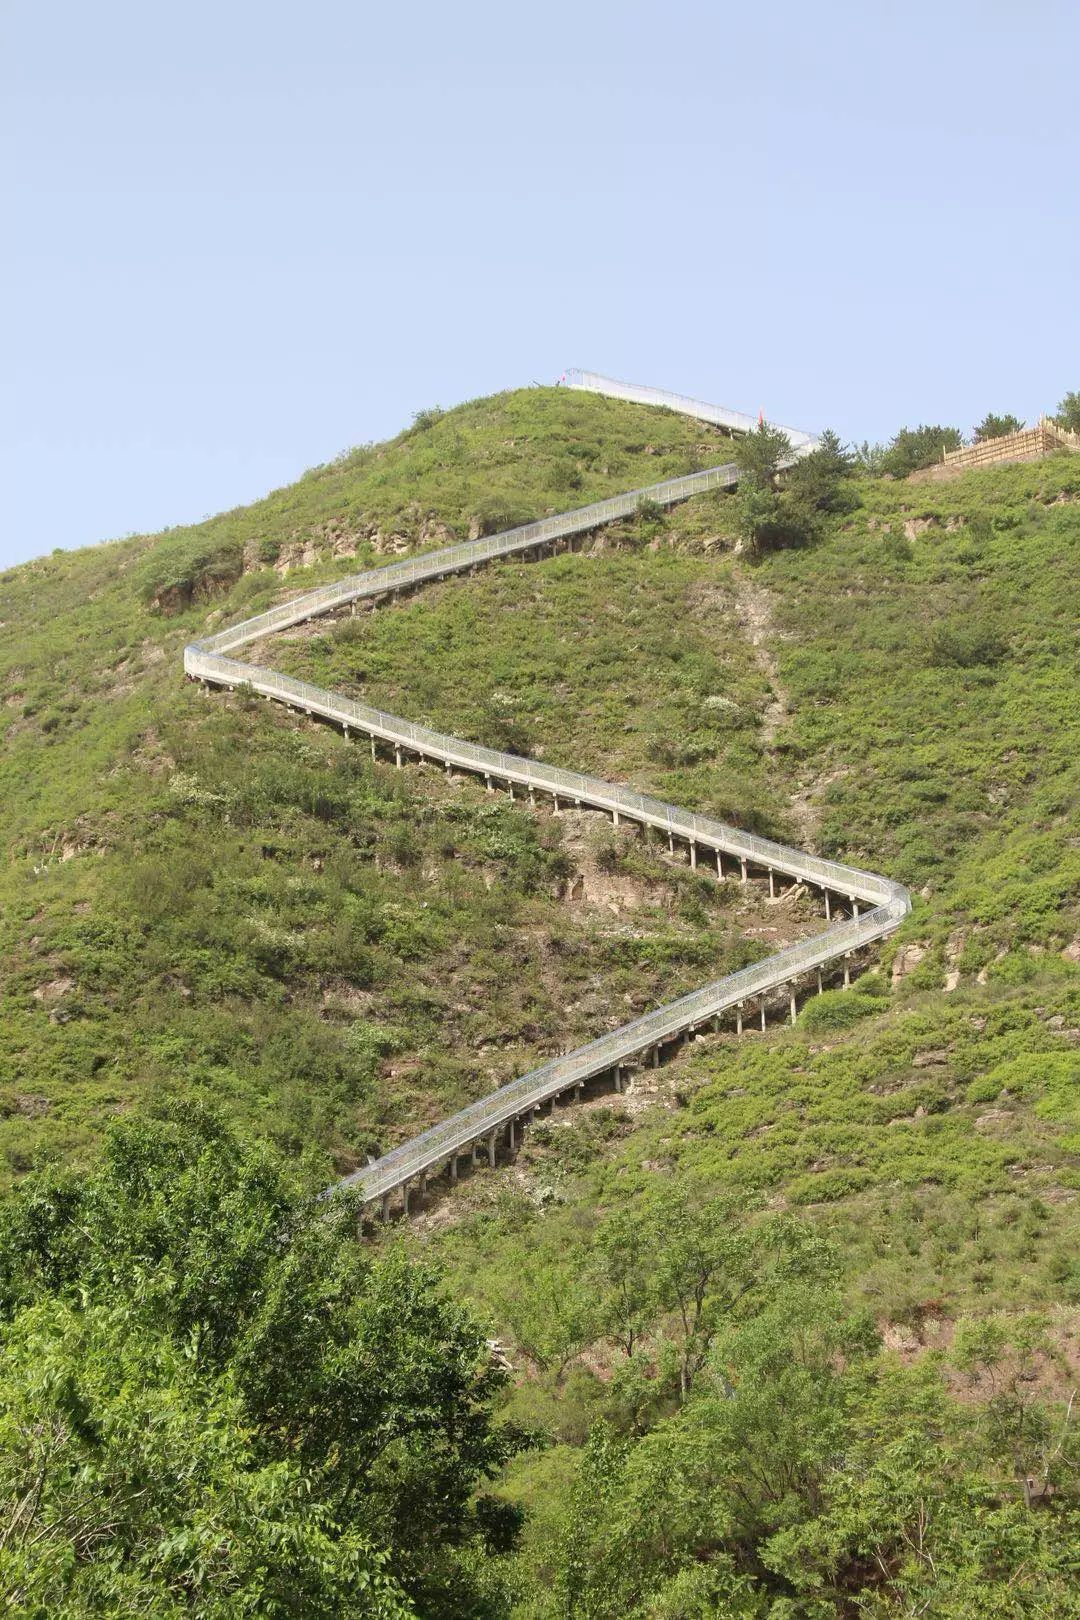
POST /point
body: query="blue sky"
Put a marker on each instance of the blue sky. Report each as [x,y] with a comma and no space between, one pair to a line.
[242,237]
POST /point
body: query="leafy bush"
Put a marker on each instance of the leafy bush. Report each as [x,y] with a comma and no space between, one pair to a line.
[839,1009]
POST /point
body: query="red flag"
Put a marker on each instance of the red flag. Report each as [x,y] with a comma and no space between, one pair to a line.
[760,417]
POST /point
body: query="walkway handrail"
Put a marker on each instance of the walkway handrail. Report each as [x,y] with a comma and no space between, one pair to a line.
[208,660]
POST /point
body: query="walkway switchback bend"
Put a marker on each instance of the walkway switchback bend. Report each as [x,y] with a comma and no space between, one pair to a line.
[861,908]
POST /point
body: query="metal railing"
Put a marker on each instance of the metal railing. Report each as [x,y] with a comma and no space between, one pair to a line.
[207,660]
[719,415]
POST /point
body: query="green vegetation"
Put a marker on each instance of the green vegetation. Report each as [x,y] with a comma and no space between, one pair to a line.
[994,426]
[1068,412]
[214,1401]
[792,1326]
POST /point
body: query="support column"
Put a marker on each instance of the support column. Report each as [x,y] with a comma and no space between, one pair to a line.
[614,818]
[693,855]
[345,729]
[487,782]
[373,747]
[763,1018]
[447,764]
[423,1185]
[511,1135]
[491,1150]
[828,907]
[453,1167]
[792,1004]
[397,756]
[618,1078]
[772,884]
[532,796]
[847,973]
[656,1057]
[742,864]
[719,864]
[579,1091]
[671,843]
[472,1151]
[738,1018]
[820,986]
[855,909]
[384,1208]
[404,1197]
[510,785]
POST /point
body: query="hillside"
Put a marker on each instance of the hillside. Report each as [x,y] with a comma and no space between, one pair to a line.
[209,900]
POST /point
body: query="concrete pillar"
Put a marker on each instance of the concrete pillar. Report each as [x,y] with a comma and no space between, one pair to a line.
[855,909]
[742,863]
[532,796]
[656,1057]
[453,1167]
[579,1091]
[772,884]
[373,748]
[345,729]
[847,973]
[618,1078]
[763,1018]
[447,764]
[820,986]
[719,864]
[384,1209]
[491,1150]
[693,855]
[555,803]
[472,1151]
[671,843]
[487,782]
[397,756]
[792,1004]
[614,818]
[828,907]
[510,785]
[404,1197]
[738,1019]
[423,1184]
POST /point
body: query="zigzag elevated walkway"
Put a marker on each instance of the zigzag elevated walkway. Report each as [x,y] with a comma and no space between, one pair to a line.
[861,908]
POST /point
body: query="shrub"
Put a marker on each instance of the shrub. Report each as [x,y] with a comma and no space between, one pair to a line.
[837,1009]
[966,645]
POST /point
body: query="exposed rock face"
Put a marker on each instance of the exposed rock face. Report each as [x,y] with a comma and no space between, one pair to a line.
[906,961]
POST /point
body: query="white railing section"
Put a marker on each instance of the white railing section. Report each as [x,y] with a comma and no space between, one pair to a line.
[718,415]
[207,660]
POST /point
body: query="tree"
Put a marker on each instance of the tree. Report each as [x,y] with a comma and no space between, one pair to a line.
[759,455]
[781,500]
[350,1370]
[1068,413]
[996,427]
[913,448]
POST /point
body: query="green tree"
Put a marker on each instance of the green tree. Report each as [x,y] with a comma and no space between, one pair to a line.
[353,1370]
[922,446]
[996,427]
[1068,413]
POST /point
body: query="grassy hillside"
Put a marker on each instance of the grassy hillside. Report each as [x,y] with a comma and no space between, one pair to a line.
[206,898]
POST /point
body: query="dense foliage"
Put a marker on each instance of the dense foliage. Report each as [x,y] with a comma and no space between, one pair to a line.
[994,426]
[213,1400]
